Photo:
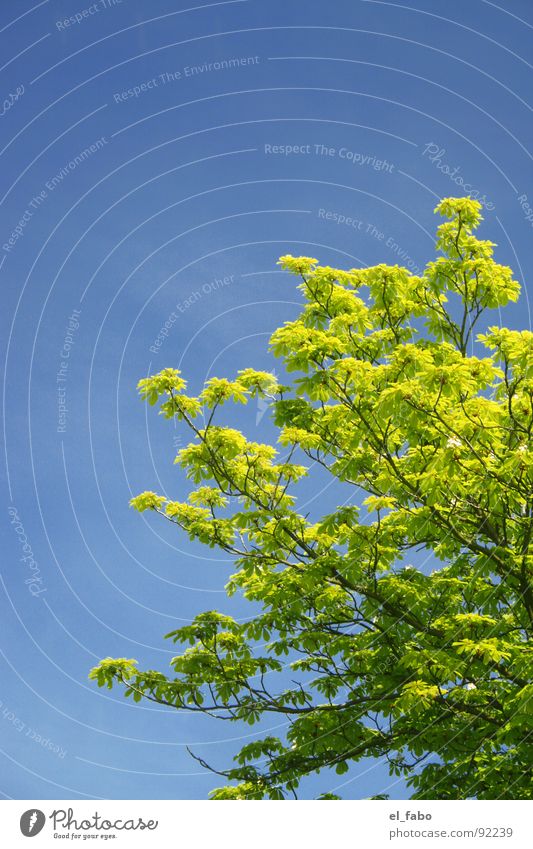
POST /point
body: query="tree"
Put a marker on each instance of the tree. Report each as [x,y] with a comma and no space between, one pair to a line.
[362,653]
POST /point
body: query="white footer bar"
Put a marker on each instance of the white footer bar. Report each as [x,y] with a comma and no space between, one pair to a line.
[263,825]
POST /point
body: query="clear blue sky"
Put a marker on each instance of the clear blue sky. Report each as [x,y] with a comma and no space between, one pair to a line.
[149,151]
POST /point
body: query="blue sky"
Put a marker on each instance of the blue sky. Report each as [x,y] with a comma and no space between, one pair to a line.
[156,160]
